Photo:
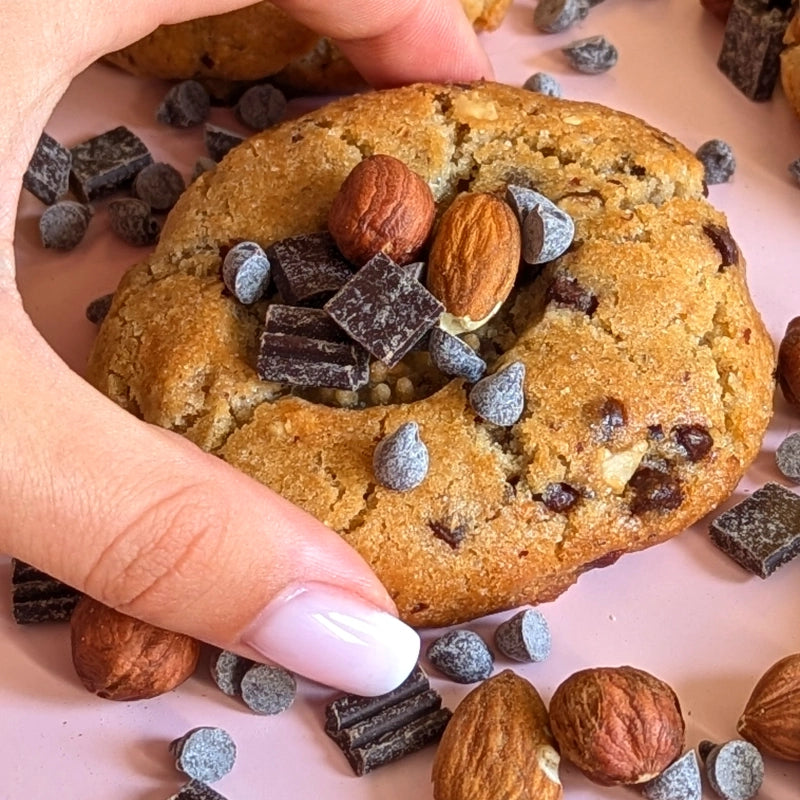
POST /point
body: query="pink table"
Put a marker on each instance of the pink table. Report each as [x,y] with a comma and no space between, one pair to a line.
[683,610]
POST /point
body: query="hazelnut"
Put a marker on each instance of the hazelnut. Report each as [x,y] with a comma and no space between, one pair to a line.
[789,363]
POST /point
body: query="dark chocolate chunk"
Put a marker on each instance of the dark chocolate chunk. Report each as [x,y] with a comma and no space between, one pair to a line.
[227,670]
[499,398]
[245,272]
[554,16]
[186,104]
[384,309]
[159,185]
[37,597]
[592,55]
[97,310]
[261,107]
[751,46]
[205,754]
[560,497]
[47,175]
[268,689]
[400,460]
[566,291]
[735,770]
[679,781]
[63,225]
[308,269]
[694,440]
[525,637]
[107,162]
[304,347]
[132,221]
[723,241]
[718,161]
[447,531]
[220,141]
[787,457]
[543,83]
[762,532]
[462,656]
[454,357]
[197,790]
[654,490]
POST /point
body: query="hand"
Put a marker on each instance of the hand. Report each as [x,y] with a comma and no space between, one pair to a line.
[134,515]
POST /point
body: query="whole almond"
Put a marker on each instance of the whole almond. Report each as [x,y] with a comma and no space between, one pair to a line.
[475,256]
[771,718]
[118,657]
[789,363]
[382,206]
[498,745]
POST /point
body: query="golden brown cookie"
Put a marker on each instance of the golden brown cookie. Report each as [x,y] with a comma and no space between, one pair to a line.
[790,63]
[649,374]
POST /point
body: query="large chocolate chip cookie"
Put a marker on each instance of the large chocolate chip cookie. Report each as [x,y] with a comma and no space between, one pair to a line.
[647,370]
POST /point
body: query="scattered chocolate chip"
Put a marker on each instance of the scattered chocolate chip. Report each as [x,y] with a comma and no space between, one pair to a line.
[543,83]
[762,532]
[97,310]
[525,637]
[159,185]
[679,781]
[751,47]
[592,55]
[308,269]
[227,670]
[261,107]
[723,241]
[205,754]
[452,534]
[787,457]
[400,460]
[794,170]
[107,162]
[132,220]
[560,497]
[454,357]
[499,398]
[462,656]
[220,141]
[567,292]
[196,790]
[38,597]
[47,175]
[245,272]
[304,347]
[554,16]
[268,689]
[694,440]
[718,161]
[203,164]
[384,309]
[612,417]
[735,770]
[63,225]
[185,105]
[654,490]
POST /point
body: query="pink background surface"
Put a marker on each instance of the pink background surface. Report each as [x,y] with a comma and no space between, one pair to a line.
[682,610]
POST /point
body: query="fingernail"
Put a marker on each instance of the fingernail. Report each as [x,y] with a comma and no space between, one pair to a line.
[336,638]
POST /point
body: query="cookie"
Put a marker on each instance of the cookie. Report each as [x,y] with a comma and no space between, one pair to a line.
[642,331]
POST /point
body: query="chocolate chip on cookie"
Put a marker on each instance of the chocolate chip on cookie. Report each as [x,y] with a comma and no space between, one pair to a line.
[400,460]
[655,490]
[499,398]
[694,441]
[245,272]
[454,357]
[567,292]
[726,246]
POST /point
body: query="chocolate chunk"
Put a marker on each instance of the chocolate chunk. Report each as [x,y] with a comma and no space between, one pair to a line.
[735,770]
[787,457]
[227,670]
[220,141]
[63,225]
[304,347]
[197,790]
[718,161]
[543,83]
[186,104]
[454,357]
[205,754]
[37,597]
[131,220]
[452,534]
[762,532]
[751,46]
[560,497]
[723,241]
[654,490]
[384,309]
[612,417]
[694,440]
[159,185]
[261,107]
[499,398]
[245,272]
[679,781]
[525,637]
[547,231]
[308,268]
[554,16]
[97,310]
[462,656]
[592,55]
[107,162]
[566,291]
[794,170]
[400,460]
[47,175]
[268,689]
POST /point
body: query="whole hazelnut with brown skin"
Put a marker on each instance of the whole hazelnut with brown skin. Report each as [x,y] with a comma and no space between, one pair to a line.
[382,206]
[122,658]
[789,363]
[618,725]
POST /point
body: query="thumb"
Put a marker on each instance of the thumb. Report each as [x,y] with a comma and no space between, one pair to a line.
[145,522]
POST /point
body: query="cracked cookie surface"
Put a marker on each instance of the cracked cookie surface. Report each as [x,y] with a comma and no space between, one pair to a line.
[648,371]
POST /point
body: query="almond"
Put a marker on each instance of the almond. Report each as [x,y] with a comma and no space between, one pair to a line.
[498,745]
[474,258]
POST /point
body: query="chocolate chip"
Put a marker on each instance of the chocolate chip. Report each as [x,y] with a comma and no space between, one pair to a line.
[592,55]
[159,185]
[97,310]
[131,220]
[38,597]
[735,770]
[268,689]
[462,656]
[679,781]
[723,241]
[547,231]
[47,175]
[499,398]
[543,83]
[227,670]
[554,16]
[694,440]
[400,460]
[197,790]
[612,417]
[794,170]
[107,162]
[245,272]
[186,104]
[718,161]
[205,754]
[654,490]
[220,141]
[63,225]
[560,497]
[261,107]
[567,292]
[525,637]
[452,534]
[762,532]
[454,357]
[787,457]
